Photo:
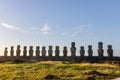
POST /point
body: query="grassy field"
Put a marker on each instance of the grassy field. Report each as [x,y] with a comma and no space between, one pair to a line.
[58,70]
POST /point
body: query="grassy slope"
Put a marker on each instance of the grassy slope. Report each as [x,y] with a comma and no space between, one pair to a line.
[37,71]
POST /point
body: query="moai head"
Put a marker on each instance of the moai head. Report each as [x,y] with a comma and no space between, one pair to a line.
[73,44]
[5,48]
[82,47]
[43,48]
[37,48]
[90,47]
[12,47]
[57,47]
[109,46]
[50,47]
[65,48]
[25,47]
[31,47]
[100,43]
[18,46]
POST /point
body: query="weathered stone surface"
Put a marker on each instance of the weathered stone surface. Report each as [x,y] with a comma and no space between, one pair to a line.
[65,51]
[31,51]
[12,51]
[5,52]
[43,51]
[25,51]
[82,51]
[73,49]
[37,51]
[18,51]
[57,51]
[90,51]
[50,51]
[100,49]
[110,51]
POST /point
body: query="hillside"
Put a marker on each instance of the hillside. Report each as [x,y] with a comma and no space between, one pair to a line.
[58,70]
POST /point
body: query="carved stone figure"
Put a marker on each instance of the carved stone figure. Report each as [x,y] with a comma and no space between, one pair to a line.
[90,51]
[5,52]
[25,51]
[100,50]
[37,51]
[57,51]
[73,49]
[50,51]
[65,51]
[43,51]
[31,51]
[82,51]
[12,51]
[110,51]
[18,51]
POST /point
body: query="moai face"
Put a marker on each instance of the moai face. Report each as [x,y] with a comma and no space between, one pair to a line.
[57,47]
[50,47]
[31,47]
[82,47]
[109,46]
[12,51]
[18,47]
[73,44]
[5,52]
[25,47]
[65,51]
[73,49]
[89,47]
[37,47]
[100,43]
[43,51]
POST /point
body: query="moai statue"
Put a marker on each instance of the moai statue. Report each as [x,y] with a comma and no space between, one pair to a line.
[37,51]
[31,51]
[25,51]
[100,50]
[43,51]
[18,51]
[65,51]
[110,51]
[5,52]
[82,51]
[50,51]
[57,51]
[73,49]
[12,51]
[90,51]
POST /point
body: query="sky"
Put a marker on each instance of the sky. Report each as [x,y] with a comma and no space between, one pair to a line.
[60,22]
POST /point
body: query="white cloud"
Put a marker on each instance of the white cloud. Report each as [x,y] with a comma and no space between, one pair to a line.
[11,27]
[45,30]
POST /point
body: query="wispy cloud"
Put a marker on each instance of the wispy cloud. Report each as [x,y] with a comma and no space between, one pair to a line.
[46,29]
[11,27]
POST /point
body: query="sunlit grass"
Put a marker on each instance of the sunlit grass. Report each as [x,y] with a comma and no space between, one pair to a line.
[39,70]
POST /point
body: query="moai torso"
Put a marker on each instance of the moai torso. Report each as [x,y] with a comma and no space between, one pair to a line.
[12,51]
[57,51]
[100,50]
[31,51]
[50,51]
[73,49]
[90,51]
[18,51]
[82,51]
[110,51]
[65,51]
[25,51]
[43,51]
[5,52]
[37,51]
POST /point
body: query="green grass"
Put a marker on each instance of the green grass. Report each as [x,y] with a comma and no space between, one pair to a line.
[39,70]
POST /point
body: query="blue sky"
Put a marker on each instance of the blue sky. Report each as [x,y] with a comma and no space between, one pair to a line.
[59,22]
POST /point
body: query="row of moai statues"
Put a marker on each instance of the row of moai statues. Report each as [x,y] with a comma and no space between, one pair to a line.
[31,51]
[90,50]
[57,51]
